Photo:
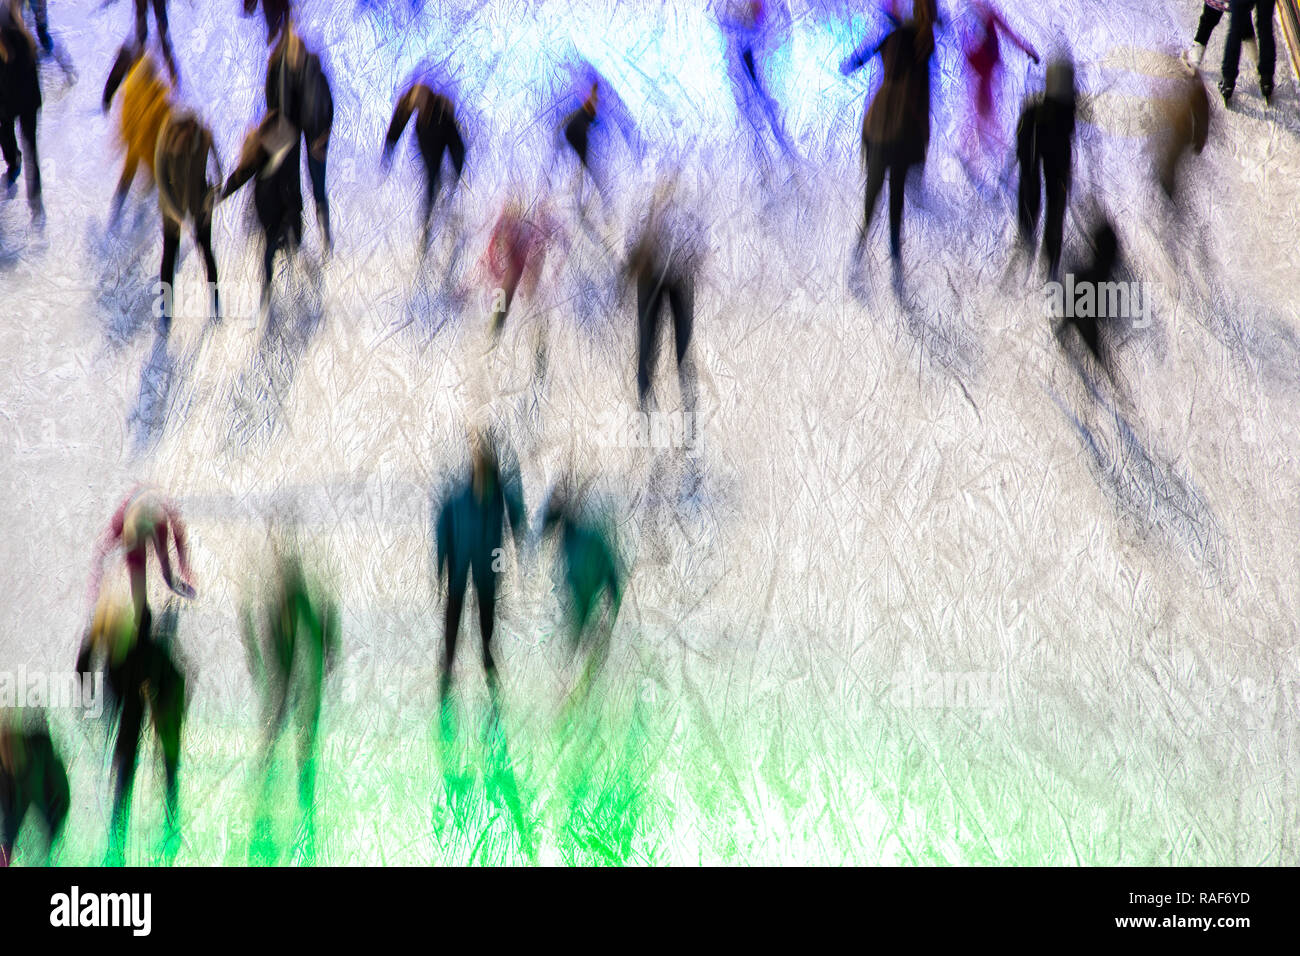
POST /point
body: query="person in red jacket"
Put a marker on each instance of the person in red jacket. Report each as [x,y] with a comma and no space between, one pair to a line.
[516,253]
[984,59]
[144,517]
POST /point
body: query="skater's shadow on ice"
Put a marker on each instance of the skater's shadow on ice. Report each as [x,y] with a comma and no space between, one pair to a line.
[124,282]
[148,419]
[435,299]
[1268,345]
[947,345]
[1145,490]
[159,398]
[260,393]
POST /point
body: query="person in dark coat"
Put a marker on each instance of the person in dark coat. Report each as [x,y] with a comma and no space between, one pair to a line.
[270,156]
[299,91]
[298,648]
[20,105]
[185,195]
[437,133]
[144,682]
[1045,151]
[469,529]
[896,126]
[664,261]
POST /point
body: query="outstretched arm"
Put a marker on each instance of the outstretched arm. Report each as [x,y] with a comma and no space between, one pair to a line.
[860,57]
[407,105]
[182,551]
[1015,37]
[126,58]
[252,157]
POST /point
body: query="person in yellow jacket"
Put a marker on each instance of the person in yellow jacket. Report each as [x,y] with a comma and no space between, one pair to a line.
[146,107]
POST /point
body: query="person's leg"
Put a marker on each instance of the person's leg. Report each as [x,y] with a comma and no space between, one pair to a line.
[432,179]
[167,276]
[456,149]
[9,148]
[486,592]
[123,188]
[649,299]
[1210,18]
[42,17]
[310,725]
[169,716]
[681,300]
[141,22]
[203,237]
[56,795]
[514,274]
[897,189]
[164,38]
[268,264]
[27,123]
[875,183]
[1264,10]
[125,753]
[1031,198]
[13,807]
[1238,23]
[316,170]
[1054,223]
[455,605]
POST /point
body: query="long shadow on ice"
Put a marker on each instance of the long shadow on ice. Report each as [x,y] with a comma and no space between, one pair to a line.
[1146,490]
[260,393]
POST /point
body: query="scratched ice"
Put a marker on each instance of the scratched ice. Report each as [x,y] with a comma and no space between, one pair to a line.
[921,593]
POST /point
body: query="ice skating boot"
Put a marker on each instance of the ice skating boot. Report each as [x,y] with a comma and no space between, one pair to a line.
[1226,89]
[323,220]
[1193,56]
[1266,88]
[10,186]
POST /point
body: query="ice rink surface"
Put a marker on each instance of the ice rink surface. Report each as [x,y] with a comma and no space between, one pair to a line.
[891,494]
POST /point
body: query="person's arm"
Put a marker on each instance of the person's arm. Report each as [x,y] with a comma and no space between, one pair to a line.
[108,542]
[860,57]
[1015,37]
[182,549]
[253,157]
[407,105]
[126,58]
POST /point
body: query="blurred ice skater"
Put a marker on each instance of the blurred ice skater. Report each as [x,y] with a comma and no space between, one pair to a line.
[437,134]
[298,89]
[896,125]
[469,526]
[1045,152]
[32,778]
[20,105]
